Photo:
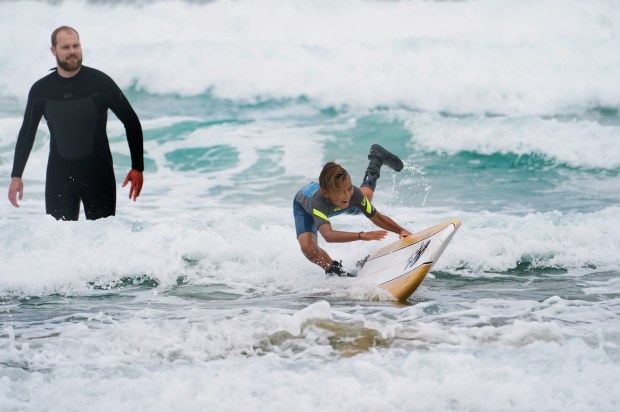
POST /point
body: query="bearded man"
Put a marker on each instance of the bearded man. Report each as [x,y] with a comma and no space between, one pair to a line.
[74,99]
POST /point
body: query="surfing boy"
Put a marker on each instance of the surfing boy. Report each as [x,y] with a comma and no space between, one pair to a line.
[334,194]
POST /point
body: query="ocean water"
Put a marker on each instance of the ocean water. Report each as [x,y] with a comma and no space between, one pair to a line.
[196,297]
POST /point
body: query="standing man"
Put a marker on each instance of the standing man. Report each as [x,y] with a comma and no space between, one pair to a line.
[75,100]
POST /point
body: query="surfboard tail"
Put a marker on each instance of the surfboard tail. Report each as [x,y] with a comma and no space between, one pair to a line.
[403,287]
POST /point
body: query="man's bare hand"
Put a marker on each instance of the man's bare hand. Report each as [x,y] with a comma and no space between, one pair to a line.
[135,177]
[16,190]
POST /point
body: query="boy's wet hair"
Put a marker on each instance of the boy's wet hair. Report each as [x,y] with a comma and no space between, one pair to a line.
[331,177]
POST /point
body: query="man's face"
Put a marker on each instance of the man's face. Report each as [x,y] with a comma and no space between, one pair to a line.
[68,50]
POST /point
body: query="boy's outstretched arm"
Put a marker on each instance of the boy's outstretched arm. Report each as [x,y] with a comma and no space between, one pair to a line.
[335,236]
[385,222]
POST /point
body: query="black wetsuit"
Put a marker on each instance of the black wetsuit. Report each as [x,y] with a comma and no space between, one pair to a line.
[80,162]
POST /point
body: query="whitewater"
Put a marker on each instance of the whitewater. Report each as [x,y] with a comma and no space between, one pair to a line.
[197,296]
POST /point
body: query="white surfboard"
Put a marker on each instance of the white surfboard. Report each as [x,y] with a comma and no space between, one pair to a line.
[401,266]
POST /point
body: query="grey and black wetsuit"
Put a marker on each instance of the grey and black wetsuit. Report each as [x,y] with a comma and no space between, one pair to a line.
[80,161]
[311,209]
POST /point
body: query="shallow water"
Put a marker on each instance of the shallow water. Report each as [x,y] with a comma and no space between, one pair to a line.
[197,296]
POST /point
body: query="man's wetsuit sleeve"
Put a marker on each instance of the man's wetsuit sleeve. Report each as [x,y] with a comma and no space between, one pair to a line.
[122,109]
[27,133]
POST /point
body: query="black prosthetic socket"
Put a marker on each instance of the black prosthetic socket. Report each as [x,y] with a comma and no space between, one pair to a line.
[373,172]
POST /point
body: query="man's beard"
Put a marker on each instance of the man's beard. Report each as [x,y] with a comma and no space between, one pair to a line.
[70,66]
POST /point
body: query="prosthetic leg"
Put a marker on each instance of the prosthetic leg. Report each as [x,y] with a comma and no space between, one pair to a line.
[378,157]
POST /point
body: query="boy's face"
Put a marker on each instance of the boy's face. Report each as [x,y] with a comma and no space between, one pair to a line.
[342,196]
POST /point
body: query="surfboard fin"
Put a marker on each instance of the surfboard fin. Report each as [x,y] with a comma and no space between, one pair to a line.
[361,263]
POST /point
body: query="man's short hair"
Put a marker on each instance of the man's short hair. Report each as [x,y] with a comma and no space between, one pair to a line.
[58,30]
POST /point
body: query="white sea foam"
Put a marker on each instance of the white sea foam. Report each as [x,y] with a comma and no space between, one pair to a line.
[155,361]
[68,258]
[479,56]
[206,215]
[493,242]
[577,143]
[516,299]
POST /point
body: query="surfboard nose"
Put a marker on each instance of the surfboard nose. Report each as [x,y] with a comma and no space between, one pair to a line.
[400,267]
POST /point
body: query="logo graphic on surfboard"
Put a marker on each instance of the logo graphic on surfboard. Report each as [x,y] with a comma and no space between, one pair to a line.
[416,256]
